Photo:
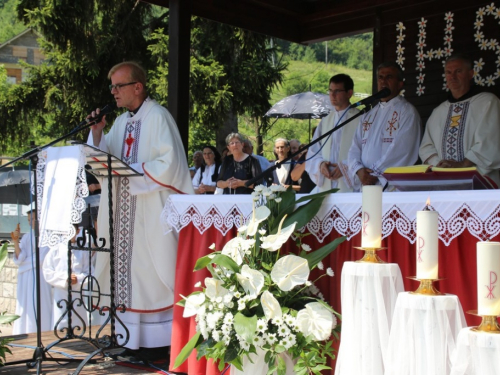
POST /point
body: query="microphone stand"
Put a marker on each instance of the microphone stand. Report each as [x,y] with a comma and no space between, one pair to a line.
[39,351]
[269,170]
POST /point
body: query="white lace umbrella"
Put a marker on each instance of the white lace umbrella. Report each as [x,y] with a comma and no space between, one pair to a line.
[306,105]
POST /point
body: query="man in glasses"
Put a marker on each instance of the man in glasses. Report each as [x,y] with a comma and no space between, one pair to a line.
[327,159]
[147,138]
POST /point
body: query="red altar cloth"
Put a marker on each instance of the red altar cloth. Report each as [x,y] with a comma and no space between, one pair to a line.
[457,265]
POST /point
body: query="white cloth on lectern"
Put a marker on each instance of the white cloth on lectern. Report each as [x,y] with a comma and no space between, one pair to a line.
[64,187]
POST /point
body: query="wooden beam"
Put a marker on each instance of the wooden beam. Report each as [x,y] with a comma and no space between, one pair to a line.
[179,31]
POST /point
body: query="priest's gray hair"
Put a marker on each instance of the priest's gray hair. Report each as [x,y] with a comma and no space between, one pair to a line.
[137,72]
[466,59]
[395,65]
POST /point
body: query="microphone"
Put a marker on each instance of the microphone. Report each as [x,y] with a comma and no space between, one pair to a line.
[379,95]
[108,108]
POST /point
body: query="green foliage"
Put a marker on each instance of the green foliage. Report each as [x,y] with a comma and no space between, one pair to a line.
[10,25]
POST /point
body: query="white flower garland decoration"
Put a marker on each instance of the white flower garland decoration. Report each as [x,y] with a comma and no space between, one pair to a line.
[486,44]
[430,54]
[400,50]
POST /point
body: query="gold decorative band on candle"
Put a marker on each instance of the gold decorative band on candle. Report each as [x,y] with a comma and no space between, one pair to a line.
[489,323]
[426,287]
[371,255]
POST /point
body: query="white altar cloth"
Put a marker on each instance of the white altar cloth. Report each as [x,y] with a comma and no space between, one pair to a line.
[423,334]
[475,211]
[369,293]
[477,353]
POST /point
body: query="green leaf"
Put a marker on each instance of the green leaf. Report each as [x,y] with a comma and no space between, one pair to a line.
[322,195]
[196,340]
[231,353]
[9,318]
[203,348]
[281,366]
[314,257]
[304,213]
[219,259]
[245,326]
[4,255]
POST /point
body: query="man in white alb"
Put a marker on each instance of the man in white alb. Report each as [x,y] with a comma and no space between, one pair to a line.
[464,131]
[327,166]
[145,137]
[387,136]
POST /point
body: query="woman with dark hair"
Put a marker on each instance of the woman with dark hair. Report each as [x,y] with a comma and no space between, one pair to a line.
[205,178]
[237,168]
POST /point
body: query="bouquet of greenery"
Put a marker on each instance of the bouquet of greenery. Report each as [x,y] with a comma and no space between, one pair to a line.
[259,299]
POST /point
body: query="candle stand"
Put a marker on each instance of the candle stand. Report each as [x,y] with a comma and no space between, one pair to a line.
[370,255]
[426,287]
[489,323]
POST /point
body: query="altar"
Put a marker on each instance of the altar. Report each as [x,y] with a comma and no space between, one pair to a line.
[465,217]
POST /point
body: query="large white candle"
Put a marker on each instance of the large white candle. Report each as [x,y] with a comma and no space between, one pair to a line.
[488,283]
[427,245]
[371,231]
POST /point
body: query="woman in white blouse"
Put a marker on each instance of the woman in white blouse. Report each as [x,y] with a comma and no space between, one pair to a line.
[205,179]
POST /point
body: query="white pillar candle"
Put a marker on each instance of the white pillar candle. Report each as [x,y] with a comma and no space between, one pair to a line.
[427,245]
[488,283]
[371,231]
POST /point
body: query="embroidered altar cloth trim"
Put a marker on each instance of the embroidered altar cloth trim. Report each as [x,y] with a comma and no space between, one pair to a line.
[477,212]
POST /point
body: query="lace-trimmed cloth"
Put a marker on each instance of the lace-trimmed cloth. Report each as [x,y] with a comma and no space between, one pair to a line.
[61,187]
[476,212]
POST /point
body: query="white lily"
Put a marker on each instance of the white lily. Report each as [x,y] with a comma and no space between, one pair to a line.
[235,249]
[193,304]
[289,271]
[315,320]
[259,214]
[270,305]
[251,280]
[274,241]
[214,288]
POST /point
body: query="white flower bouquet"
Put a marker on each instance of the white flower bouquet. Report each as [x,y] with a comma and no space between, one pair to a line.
[259,299]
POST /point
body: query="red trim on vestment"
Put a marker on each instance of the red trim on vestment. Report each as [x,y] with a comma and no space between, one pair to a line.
[159,183]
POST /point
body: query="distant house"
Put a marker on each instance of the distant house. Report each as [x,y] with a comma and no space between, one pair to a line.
[22,47]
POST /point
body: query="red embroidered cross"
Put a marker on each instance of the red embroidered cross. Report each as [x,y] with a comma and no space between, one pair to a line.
[392,122]
[129,141]
[366,219]
[420,250]
[366,126]
[493,280]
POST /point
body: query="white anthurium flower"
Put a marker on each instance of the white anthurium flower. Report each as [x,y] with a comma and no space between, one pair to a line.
[251,280]
[259,214]
[193,304]
[233,249]
[214,288]
[270,305]
[289,271]
[315,320]
[274,241]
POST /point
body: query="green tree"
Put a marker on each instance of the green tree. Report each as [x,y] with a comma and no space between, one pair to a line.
[11,26]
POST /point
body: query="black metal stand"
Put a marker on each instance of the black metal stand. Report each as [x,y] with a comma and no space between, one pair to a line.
[101,343]
[269,170]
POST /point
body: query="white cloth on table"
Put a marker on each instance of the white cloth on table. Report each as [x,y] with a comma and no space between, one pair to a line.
[478,353]
[335,149]
[26,290]
[467,129]
[55,272]
[424,334]
[368,297]
[149,141]
[387,136]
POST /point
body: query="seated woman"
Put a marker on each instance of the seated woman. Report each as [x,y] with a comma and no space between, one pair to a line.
[237,168]
[283,175]
[205,179]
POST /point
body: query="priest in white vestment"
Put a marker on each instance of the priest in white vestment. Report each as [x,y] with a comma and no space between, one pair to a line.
[147,138]
[327,165]
[387,136]
[24,258]
[464,131]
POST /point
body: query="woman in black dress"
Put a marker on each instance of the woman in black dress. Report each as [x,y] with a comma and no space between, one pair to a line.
[237,168]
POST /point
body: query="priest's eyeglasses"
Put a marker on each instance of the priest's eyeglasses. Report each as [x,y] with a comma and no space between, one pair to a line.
[118,86]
